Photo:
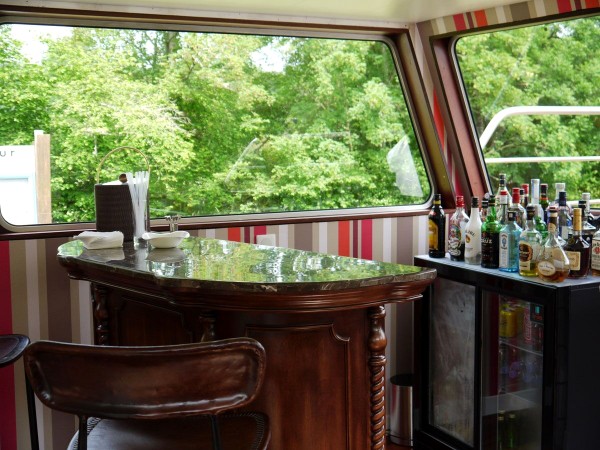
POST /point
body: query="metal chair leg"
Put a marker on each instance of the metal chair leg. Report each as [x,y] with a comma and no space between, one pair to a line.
[215,432]
[33,432]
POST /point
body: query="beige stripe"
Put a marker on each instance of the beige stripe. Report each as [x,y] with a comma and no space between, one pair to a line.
[449,22]
[551,7]
[283,235]
[221,233]
[85,312]
[332,238]
[377,241]
[41,288]
[491,16]
[439,26]
[18,287]
[540,8]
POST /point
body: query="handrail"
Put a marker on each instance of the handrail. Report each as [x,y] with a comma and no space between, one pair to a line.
[532,110]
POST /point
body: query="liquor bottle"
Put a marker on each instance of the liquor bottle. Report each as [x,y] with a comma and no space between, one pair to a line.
[521,215]
[538,219]
[577,249]
[511,432]
[502,209]
[485,204]
[587,214]
[595,264]
[530,243]
[554,264]
[525,196]
[501,183]
[587,229]
[437,229]
[558,188]
[490,237]
[564,217]
[473,235]
[456,231]
[544,203]
[501,432]
[509,244]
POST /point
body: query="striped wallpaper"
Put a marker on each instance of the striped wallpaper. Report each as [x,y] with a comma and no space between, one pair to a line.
[38,299]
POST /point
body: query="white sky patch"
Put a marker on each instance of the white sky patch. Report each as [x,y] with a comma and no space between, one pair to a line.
[271,58]
[31,35]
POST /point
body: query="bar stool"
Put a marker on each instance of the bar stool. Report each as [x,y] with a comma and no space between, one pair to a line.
[153,398]
[12,347]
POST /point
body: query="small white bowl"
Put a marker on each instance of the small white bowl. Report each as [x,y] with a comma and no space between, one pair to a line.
[165,240]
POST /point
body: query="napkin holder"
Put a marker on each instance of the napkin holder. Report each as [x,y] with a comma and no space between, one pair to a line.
[114,210]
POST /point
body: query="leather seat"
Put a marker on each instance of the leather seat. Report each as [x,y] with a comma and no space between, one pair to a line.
[12,347]
[169,397]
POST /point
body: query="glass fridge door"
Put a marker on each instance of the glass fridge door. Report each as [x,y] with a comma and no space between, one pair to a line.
[512,368]
[452,360]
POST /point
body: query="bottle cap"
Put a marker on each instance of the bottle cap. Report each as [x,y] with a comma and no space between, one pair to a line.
[437,198]
[562,198]
[559,187]
[516,196]
[512,215]
[525,188]
[474,202]
[492,200]
[544,188]
[530,211]
[586,196]
[460,201]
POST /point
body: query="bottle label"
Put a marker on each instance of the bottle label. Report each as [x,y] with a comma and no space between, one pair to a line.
[455,239]
[574,260]
[596,254]
[504,250]
[490,243]
[546,268]
[527,255]
[433,235]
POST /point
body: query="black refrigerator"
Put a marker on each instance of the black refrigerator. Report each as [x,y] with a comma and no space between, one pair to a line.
[506,362]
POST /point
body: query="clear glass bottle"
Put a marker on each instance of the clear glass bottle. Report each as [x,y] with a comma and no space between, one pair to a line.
[502,207]
[473,234]
[456,231]
[525,195]
[521,215]
[577,249]
[437,229]
[558,188]
[490,237]
[510,235]
[554,263]
[501,184]
[530,244]
[485,204]
[564,216]
[587,229]
[595,264]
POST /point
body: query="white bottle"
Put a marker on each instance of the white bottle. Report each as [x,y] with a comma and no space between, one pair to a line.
[473,235]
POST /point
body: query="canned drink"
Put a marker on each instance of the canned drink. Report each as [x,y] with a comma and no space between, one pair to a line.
[527,322]
[508,323]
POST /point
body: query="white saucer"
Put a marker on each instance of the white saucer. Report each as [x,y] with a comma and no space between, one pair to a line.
[165,240]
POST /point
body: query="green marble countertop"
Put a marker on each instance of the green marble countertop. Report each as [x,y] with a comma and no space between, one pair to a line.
[213,263]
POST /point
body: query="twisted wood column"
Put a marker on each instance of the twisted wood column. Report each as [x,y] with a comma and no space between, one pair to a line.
[377,344]
[101,330]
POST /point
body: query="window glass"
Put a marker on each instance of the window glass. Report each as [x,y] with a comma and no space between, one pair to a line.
[230,124]
[544,79]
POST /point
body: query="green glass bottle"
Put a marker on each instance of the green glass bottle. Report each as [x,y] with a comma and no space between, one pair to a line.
[490,237]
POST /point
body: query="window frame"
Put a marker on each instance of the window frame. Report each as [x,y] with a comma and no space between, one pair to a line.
[462,137]
[402,51]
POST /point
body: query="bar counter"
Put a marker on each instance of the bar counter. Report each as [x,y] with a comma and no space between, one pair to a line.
[320,318]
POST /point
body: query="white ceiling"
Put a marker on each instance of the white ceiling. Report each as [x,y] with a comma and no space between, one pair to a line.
[368,12]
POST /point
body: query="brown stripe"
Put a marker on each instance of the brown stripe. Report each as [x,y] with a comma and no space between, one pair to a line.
[58,291]
[520,11]
[404,234]
[303,235]
[18,287]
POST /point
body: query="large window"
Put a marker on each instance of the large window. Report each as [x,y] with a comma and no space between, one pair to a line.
[535,99]
[231,124]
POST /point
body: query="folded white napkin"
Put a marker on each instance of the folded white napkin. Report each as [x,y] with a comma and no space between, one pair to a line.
[94,240]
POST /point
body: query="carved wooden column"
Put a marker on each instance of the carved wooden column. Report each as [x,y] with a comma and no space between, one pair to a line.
[99,299]
[377,344]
